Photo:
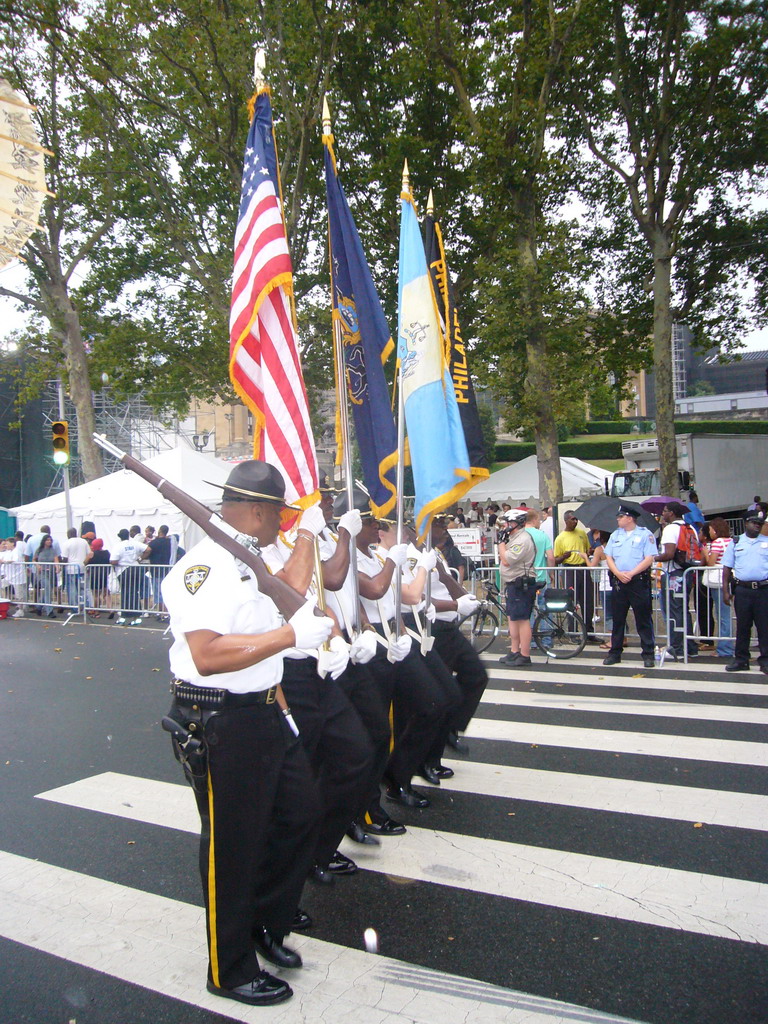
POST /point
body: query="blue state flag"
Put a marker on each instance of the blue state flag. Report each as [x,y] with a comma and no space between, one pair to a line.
[438,449]
[367,343]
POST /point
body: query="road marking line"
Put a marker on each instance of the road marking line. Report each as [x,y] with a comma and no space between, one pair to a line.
[616,741]
[159,944]
[626,706]
[665,897]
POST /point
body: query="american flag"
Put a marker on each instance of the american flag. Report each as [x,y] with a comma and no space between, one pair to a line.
[264,363]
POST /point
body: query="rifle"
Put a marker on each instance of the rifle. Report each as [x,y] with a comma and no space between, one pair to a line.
[244,548]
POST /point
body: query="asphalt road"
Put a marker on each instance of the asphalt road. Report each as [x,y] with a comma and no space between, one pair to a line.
[604,844]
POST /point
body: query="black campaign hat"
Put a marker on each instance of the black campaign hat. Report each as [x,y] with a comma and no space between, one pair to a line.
[361,500]
[254,480]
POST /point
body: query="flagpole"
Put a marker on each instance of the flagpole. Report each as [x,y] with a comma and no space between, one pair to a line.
[341,391]
[400,480]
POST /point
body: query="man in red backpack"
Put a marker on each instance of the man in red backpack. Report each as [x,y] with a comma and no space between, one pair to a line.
[680,549]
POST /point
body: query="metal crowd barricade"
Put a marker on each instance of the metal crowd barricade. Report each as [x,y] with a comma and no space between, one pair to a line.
[589,585]
[132,592]
[712,621]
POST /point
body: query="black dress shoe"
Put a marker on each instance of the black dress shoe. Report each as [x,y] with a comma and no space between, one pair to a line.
[429,774]
[737,666]
[455,742]
[301,922]
[612,659]
[320,875]
[357,834]
[406,796]
[274,951]
[649,661]
[341,865]
[264,990]
[444,772]
[389,827]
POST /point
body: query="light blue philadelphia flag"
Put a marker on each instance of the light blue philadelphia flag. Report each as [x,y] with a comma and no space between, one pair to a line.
[438,450]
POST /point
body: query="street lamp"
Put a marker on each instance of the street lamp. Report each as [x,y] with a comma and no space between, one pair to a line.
[200,440]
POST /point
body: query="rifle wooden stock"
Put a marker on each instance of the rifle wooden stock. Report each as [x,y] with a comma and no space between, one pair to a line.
[287,600]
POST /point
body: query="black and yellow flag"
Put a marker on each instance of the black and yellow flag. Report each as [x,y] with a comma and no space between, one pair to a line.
[456,352]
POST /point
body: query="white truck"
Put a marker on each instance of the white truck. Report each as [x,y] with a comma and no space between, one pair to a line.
[725,470]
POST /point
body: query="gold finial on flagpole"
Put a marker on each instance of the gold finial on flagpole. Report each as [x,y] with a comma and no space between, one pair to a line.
[259,64]
[406,178]
[326,117]
[431,204]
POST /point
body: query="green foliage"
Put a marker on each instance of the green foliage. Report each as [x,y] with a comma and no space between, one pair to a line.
[608,427]
[587,450]
[488,428]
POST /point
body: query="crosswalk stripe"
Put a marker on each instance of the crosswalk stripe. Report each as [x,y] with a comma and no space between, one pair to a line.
[581,738]
[159,944]
[645,678]
[665,897]
[621,796]
[627,706]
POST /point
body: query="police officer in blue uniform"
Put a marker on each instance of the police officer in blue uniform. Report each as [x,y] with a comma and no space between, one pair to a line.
[745,583]
[630,552]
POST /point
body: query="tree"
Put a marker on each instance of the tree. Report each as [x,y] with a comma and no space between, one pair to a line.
[671,100]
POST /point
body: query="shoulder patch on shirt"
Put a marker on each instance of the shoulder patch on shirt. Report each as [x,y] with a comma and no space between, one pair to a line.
[412,564]
[195,577]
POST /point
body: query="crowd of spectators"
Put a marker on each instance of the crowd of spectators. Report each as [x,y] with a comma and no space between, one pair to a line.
[42,576]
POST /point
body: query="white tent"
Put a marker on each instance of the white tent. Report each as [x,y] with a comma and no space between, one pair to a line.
[123,498]
[520,482]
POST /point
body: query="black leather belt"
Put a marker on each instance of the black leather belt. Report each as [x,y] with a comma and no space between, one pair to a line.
[752,584]
[207,697]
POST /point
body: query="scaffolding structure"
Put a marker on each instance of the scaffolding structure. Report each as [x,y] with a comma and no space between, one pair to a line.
[679,376]
[132,426]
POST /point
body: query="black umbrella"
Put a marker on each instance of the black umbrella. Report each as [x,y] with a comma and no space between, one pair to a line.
[599,513]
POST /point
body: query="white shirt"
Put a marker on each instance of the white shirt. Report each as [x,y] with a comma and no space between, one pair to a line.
[129,552]
[371,565]
[341,602]
[670,535]
[209,589]
[275,556]
[75,550]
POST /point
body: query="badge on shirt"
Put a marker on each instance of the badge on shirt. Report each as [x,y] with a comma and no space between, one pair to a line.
[195,577]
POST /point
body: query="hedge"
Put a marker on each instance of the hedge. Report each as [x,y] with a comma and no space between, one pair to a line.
[609,427]
[587,450]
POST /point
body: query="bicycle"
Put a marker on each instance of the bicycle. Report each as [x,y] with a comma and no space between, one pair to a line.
[558,630]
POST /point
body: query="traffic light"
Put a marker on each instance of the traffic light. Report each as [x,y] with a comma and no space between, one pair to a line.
[60,442]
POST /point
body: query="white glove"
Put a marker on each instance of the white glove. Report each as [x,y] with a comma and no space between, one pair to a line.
[427,560]
[430,612]
[398,554]
[310,630]
[363,648]
[333,661]
[399,649]
[467,604]
[312,519]
[351,522]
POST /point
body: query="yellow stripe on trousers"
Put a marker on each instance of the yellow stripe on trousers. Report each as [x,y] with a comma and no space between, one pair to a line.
[214,950]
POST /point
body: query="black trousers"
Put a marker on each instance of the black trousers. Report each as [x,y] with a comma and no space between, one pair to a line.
[581,583]
[462,659]
[370,696]
[635,595]
[422,694]
[259,810]
[130,590]
[338,746]
[426,698]
[751,609]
